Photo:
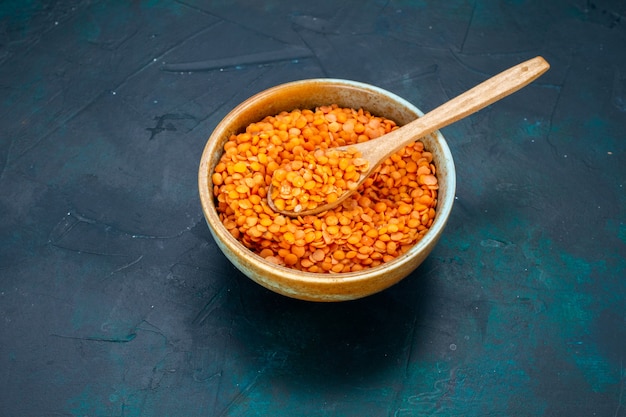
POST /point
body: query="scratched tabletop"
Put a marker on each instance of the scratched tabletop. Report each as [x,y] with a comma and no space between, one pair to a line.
[116,301]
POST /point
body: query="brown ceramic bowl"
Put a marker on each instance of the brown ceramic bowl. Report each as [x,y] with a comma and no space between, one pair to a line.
[309,94]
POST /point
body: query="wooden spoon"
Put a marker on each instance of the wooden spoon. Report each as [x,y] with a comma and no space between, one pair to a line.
[377,150]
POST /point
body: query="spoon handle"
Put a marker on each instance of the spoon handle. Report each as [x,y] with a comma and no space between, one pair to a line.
[471,101]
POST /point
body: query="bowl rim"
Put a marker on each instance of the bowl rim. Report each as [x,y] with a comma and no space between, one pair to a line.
[289,274]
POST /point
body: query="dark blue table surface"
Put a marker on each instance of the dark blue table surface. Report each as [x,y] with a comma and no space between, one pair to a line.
[115,300]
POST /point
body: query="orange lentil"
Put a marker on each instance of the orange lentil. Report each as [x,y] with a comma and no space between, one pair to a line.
[240,167]
[354,239]
[386,215]
[318,255]
[345,230]
[332,220]
[290,259]
[299,251]
[384,237]
[380,246]
[380,207]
